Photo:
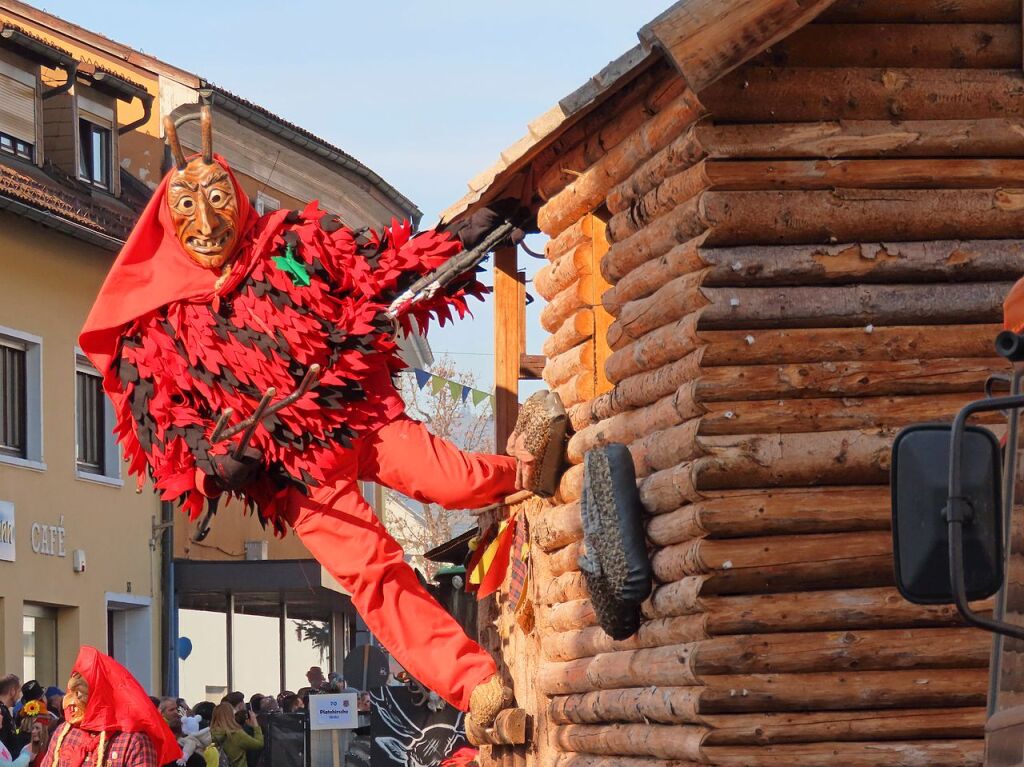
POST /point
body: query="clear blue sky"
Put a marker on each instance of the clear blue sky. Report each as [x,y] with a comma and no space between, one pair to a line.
[426,94]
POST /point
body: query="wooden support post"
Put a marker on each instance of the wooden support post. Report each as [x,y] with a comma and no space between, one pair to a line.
[509,343]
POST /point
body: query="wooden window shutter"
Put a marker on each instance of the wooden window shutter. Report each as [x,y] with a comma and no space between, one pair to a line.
[17,109]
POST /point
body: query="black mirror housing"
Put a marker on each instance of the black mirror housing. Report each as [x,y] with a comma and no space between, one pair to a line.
[920,524]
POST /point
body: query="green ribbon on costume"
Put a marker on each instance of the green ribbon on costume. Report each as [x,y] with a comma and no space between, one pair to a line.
[292,266]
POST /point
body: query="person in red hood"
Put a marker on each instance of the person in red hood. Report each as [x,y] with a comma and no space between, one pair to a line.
[109,720]
[211,314]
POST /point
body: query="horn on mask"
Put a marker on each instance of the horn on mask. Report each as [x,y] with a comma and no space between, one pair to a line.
[206,122]
[173,142]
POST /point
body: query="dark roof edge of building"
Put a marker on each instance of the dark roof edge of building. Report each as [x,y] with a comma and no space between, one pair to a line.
[267,120]
[52,220]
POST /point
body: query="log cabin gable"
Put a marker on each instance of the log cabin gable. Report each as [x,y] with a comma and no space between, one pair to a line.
[806,246]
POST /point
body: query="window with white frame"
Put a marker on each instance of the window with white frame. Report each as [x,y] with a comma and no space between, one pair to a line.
[17,110]
[96,453]
[95,140]
[13,398]
[265,203]
[21,391]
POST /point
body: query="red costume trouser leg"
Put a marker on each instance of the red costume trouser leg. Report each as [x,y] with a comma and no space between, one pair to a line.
[340,529]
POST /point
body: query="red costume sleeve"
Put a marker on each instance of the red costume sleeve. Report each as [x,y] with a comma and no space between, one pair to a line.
[406,457]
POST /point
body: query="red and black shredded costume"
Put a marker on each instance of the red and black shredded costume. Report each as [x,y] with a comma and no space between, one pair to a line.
[176,350]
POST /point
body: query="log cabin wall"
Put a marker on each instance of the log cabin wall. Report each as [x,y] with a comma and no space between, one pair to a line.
[802,258]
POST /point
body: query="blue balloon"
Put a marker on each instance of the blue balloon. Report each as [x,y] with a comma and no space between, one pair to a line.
[184,647]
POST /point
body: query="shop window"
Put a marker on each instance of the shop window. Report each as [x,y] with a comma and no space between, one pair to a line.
[20,399]
[95,449]
[94,153]
[17,111]
[39,643]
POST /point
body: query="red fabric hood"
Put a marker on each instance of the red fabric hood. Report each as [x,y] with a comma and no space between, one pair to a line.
[153,269]
[117,703]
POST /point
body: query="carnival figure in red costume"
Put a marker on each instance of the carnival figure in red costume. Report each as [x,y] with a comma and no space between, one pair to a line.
[212,315]
[109,720]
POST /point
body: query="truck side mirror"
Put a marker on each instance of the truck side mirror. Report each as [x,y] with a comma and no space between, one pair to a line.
[920,521]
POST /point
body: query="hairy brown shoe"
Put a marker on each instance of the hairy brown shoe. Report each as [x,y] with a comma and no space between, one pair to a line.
[487,699]
[538,441]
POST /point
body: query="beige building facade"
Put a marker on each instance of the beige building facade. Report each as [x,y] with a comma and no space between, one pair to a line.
[84,558]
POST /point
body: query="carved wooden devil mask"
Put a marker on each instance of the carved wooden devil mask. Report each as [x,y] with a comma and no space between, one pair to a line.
[203,202]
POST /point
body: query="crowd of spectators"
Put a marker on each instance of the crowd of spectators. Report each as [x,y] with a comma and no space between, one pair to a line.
[210,734]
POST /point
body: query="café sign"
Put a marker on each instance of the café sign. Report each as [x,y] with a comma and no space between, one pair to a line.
[49,539]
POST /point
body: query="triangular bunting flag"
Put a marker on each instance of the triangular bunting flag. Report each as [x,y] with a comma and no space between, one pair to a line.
[479,396]
[436,384]
[465,394]
[455,388]
[422,377]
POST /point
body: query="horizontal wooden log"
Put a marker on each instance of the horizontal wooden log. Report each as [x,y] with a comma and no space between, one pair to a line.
[987,137]
[671,192]
[682,224]
[851,305]
[557,527]
[566,303]
[757,266]
[922,11]
[648,387]
[689,664]
[573,631]
[758,94]
[509,728]
[842,691]
[576,149]
[647,277]
[822,727]
[766,461]
[571,759]
[673,301]
[631,425]
[748,513]
[772,729]
[558,275]
[830,414]
[842,379]
[917,753]
[577,328]
[683,152]
[935,261]
[702,556]
[578,232]
[848,215]
[678,742]
[567,587]
[574,361]
[806,175]
[579,388]
[589,641]
[895,173]
[719,348]
[938,46]
[588,191]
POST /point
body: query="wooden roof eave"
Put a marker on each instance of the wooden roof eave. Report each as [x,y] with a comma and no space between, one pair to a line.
[704,39]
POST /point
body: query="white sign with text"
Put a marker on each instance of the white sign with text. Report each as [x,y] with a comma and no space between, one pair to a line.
[333,712]
[6,531]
